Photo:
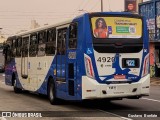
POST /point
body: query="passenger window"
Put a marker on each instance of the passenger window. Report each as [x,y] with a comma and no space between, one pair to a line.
[33,45]
[9,50]
[7,53]
[41,37]
[25,47]
[51,35]
[14,45]
[41,41]
[61,41]
[19,42]
[25,41]
[19,45]
[51,42]
[72,36]
[33,39]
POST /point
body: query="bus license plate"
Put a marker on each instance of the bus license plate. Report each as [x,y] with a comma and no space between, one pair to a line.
[119,77]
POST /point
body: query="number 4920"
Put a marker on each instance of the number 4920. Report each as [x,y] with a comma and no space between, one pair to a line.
[105,59]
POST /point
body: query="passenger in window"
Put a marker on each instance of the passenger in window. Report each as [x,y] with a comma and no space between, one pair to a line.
[101,30]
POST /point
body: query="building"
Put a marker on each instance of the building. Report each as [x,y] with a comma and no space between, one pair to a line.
[151,10]
[34,24]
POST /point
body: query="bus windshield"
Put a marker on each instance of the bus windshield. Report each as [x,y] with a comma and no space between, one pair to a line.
[116,27]
[1,47]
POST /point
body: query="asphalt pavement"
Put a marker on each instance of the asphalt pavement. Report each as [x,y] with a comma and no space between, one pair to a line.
[155,81]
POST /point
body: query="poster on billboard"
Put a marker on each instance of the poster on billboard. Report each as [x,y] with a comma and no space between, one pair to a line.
[116,27]
[130,5]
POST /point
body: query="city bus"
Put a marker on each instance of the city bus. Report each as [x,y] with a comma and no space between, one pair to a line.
[101,55]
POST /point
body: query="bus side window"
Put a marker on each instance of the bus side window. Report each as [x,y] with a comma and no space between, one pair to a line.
[73,36]
[25,47]
[18,48]
[42,37]
[14,45]
[51,42]
[41,43]
[61,41]
[33,45]
[1,47]
[8,50]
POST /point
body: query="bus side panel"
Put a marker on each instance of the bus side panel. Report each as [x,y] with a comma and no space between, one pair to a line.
[48,66]
[11,69]
[9,72]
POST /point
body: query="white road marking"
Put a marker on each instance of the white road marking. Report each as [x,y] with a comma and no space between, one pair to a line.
[124,118]
[151,99]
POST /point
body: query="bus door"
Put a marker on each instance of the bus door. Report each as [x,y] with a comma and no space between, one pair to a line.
[72,60]
[61,59]
[24,57]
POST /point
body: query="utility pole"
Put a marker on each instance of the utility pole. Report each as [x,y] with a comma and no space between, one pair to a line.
[101,5]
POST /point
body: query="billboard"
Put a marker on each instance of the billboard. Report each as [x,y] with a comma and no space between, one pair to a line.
[130,5]
[116,27]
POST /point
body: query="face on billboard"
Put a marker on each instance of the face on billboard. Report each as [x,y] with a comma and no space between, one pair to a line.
[130,5]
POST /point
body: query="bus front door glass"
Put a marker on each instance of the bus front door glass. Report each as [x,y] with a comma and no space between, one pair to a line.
[61,55]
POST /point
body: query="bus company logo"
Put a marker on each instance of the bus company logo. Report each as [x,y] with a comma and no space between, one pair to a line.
[20,114]
[6,114]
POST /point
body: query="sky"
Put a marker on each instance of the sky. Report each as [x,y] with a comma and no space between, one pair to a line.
[16,15]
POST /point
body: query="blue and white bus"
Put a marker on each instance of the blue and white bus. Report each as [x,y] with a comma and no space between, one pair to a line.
[93,56]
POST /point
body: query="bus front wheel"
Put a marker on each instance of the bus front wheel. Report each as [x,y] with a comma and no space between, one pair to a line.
[51,92]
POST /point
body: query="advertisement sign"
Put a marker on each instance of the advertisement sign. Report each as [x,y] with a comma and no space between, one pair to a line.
[116,27]
[130,5]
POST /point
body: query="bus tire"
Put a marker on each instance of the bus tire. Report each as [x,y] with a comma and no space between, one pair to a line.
[51,92]
[16,90]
